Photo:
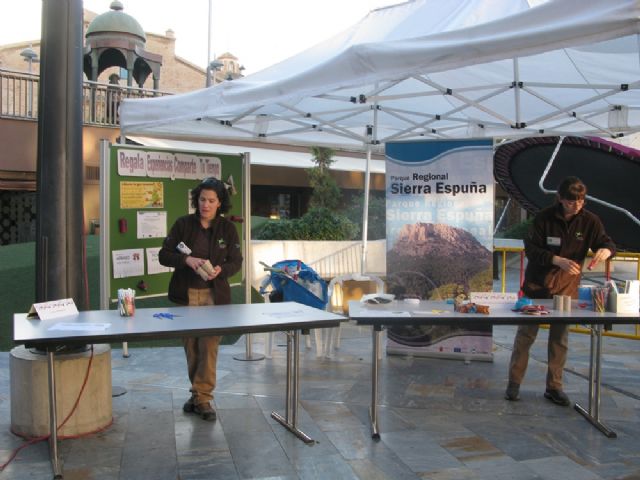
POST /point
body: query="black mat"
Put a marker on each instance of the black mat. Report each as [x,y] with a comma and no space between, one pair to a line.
[610,171]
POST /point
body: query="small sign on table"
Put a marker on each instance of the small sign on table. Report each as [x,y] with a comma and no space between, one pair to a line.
[53,309]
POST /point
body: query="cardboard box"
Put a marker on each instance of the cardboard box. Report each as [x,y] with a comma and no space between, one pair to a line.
[624,302]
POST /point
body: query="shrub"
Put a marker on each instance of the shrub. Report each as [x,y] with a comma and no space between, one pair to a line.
[316,224]
[323,224]
[518,230]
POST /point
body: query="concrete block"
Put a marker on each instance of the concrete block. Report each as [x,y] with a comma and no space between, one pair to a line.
[30,391]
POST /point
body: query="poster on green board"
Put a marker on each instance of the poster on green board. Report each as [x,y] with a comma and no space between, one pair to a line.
[144,191]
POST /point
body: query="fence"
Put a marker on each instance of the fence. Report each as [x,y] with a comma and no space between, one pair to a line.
[19,98]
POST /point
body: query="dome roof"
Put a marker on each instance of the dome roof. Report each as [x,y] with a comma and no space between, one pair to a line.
[116,21]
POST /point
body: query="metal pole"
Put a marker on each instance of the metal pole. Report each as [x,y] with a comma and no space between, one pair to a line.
[30,97]
[365,212]
[208,79]
[248,266]
[373,411]
[592,412]
[53,419]
[59,170]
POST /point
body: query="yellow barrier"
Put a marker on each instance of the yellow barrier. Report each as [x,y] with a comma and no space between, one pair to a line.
[504,248]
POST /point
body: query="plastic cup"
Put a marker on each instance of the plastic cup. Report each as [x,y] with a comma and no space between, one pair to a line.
[599,297]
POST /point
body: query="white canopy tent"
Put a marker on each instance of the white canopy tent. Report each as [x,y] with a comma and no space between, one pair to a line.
[429,69]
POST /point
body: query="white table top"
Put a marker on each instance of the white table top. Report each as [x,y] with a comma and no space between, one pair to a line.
[108,326]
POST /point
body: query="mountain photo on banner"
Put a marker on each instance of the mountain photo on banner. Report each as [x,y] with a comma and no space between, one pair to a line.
[439,236]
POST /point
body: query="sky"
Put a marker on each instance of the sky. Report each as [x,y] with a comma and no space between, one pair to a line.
[258,32]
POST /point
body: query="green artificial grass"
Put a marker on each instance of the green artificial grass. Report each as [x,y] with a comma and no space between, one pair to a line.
[17,277]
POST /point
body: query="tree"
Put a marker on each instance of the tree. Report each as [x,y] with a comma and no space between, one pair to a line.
[376,218]
[326,193]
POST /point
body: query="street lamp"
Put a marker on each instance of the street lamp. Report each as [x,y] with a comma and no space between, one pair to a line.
[213,67]
[31,57]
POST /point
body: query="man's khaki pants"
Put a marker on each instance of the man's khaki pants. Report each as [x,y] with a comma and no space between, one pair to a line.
[202,354]
[556,352]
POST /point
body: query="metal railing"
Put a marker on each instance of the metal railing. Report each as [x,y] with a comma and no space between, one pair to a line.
[341,262]
[19,98]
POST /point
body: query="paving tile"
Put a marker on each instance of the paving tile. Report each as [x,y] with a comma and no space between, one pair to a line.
[258,455]
[560,468]
[418,454]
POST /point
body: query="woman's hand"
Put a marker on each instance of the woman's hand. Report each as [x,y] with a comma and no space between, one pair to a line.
[217,270]
[194,262]
[569,266]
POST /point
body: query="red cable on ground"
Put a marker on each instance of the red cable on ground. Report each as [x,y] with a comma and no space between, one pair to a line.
[85,272]
[34,440]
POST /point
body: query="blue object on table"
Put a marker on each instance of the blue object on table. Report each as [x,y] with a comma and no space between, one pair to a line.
[522,302]
[167,315]
[584,294]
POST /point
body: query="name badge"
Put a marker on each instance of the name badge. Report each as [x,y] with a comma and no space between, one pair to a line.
[553,241]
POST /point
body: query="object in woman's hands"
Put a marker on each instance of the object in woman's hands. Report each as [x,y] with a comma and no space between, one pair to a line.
[182,248]
[205,270]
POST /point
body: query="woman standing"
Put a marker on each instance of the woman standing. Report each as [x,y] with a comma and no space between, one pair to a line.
[209,237]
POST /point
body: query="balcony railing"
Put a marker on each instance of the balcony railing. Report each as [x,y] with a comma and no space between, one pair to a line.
[19,98]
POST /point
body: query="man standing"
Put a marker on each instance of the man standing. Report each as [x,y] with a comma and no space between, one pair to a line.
[556,246]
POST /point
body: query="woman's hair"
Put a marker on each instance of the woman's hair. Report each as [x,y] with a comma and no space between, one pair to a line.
[572,188]
[217,186]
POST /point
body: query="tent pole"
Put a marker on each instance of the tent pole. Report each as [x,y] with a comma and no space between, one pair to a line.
[372,135]
[516,90]
[365,212]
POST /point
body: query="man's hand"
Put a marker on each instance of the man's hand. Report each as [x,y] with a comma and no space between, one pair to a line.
[567,265]
[600,256]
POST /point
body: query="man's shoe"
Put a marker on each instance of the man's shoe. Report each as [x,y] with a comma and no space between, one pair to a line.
[557,396]
[206,411]
[513,392]
[188,406]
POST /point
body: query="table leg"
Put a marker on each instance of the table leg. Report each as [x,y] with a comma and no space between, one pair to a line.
[592,414]
[53,420]
[373,410]
[289,421]
[248,356]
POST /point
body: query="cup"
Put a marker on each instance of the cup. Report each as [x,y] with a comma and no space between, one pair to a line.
[599,297]
[205,270]
[585,294]
[566,303]
[558,303]
[126,302]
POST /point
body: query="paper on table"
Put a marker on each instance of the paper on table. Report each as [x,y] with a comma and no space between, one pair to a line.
[386,313]
[80,327]
[294,313]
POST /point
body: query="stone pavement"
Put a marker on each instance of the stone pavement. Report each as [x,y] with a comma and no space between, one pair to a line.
[440,419]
